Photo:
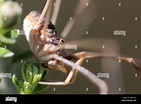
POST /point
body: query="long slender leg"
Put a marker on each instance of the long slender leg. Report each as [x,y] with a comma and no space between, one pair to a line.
[89,75]
[100,55]
[43,14]
[46,14]
[55,11]
[70,77]
[34,33]
[79,62]
[84,10]
[85,72]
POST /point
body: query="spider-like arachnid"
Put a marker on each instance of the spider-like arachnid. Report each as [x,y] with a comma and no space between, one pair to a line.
[48,47]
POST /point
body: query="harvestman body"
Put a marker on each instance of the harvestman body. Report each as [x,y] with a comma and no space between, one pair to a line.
[43,39]
[44,42]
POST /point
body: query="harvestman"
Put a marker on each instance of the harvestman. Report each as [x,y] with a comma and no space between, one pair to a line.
[48,47]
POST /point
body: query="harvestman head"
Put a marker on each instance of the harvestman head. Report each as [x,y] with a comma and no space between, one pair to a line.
[48,47]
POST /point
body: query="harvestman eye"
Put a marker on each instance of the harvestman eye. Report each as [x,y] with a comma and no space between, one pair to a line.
[62,41]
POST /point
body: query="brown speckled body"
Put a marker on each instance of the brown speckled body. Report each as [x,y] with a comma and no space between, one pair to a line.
[42,41]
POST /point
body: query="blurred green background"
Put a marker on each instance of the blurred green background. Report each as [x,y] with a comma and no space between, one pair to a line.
[110,15]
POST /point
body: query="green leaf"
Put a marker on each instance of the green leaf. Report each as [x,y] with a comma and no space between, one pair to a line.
[29,74]
[27,71]
[35,69]
[7,40]
[28,88]
[41,69]
[17,83]
[15,33]
[9,36]
[12,33]
[5,52]
[36,78]
[32,73]
[44,74]
[24,68]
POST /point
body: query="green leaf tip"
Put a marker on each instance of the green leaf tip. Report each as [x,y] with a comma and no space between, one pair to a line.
[17,82]
[5,52]
[12,33]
